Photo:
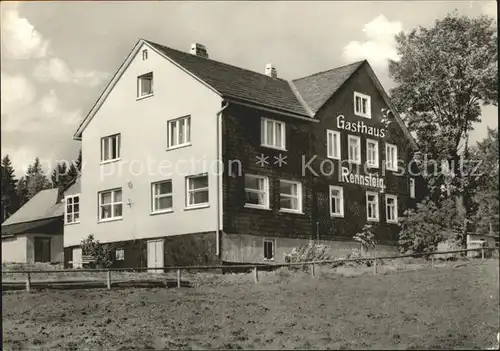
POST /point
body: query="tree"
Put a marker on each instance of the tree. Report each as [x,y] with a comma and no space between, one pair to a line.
[22,191]
[101,253]
[36,179]
[10,199]
[63,176]
[79,161]
[443,76]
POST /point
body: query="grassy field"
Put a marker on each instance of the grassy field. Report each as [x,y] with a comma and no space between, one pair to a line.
[453,307]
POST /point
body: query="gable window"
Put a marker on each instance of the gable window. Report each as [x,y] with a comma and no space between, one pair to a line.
[197,190]
[336,201]
[120,254]
[179,132]
[372,212]
[412,188]
[110,204]
[290,196]
[162,197]
[268,249]
[145,85]
[110,148]
[354,149]
[144,54]
[256,191]
[333,144]
[391,208]
[372,153]
[362,106]
[272,133]
[391,157]
[72,209]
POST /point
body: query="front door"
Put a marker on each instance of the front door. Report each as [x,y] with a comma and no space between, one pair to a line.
[42,249]
[155,255]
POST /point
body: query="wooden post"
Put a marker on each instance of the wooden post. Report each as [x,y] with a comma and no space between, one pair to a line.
[374,266]
[178,278]
[482,253]
[28,283]
[313,273]
[108,281]
[255,274]
[432,261]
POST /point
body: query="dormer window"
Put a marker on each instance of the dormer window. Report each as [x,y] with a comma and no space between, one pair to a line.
[362,105]
[145,85]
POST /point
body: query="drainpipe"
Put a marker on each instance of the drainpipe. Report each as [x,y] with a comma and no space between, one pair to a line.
[219,177]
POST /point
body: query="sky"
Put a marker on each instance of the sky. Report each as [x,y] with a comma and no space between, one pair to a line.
[57,57]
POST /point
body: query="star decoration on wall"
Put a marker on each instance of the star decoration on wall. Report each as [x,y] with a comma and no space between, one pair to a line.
[262,160]
[280,160]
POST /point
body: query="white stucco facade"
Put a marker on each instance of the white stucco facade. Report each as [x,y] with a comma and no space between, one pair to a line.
[21,248]
[142,124]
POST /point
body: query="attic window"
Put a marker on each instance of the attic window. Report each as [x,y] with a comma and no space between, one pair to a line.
[144,54]
[145,85]
[362,106]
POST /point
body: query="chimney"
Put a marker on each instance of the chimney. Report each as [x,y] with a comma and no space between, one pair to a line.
[271,71]
[199,50]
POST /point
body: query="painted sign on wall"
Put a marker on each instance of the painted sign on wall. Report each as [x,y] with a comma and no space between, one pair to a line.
[372,180]
[359,127]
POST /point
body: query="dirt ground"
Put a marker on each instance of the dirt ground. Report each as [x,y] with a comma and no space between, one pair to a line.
[440,308]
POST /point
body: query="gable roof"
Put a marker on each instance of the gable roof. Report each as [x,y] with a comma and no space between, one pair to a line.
[43,205]
[317,88]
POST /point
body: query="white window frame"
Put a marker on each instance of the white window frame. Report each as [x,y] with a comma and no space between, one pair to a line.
[375,163]
[391,166]
[188,191]
[173,143]
[395,208]
[298,196]
[412,188]
[73,212]
[368,113]
[333,144]
[273,242]
[121,256]
[264,191]
[113,203]
[377,204]
[155,196]
[349,156]
[341,190]
[113,139]
[273,144]
[140,79]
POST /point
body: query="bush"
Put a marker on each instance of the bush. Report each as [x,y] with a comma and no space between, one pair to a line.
[101,253]
[308,253]
[366,237]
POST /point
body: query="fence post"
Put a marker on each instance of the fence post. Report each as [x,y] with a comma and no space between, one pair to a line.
[255,274]
[482,253]
[313,273]
[28,283]
[432,261]
[108,282]
[374,266]
[178,278]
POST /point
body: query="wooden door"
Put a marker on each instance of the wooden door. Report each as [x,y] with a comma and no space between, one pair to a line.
[155,255]
[42,249]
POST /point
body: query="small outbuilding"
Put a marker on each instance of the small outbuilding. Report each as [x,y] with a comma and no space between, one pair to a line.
[35,232]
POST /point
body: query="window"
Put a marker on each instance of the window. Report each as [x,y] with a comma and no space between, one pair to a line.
[145,84]
[268,249]
[72,209]
[162,196]
[120,254]
[354,148]
[256,191]
[362,105]
[336,201]
[144,54]
[179,132]
[391,157]
[110,148]
[272,133]
[372,206]
[391,208]
[333,144]
[197,190]
[110,204]
[372,153]
[412,188]
[290,196]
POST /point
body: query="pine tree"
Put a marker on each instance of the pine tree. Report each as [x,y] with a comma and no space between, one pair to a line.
[22,191]
[36,179]
[10,199]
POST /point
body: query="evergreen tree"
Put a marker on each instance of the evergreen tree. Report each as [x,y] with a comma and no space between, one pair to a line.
[22,191]
[36,179]
[10,200]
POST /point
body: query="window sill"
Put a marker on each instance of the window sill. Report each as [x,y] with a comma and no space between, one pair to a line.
[257,207]
[392,222]
[373,220]
[196,207]
[354,162]
[333,158]
[161,212]
[178,146]
[284,210]
[72,223]
[336,215]
[109,220]
[362,115]
[273,147]
[372,166]
[111,161]
[269,259]
[144,97]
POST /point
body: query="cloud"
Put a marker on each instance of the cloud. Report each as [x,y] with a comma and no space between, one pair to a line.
[20,39]
[55,69]
[17,91]
[379,46]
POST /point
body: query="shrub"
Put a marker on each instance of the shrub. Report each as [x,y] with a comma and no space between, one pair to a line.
[366,237]
[101,253]
[308,253]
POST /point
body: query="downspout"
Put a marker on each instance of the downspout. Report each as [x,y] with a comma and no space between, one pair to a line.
[219,177]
